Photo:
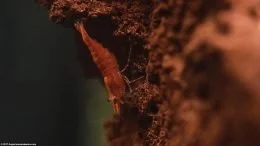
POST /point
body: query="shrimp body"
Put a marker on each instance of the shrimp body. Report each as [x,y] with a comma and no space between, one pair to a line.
[108,66]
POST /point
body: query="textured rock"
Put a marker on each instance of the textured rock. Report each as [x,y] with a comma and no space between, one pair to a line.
[201,77]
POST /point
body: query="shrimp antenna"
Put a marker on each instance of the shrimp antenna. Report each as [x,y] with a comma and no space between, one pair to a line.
[128,60]
[128,83]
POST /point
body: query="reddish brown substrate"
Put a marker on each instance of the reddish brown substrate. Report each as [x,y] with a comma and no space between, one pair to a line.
[202,70]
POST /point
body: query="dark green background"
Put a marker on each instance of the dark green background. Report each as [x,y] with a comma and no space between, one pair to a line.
[44,98]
